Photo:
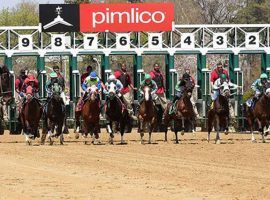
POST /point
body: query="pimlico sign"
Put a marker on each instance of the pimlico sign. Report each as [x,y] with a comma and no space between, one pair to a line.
[107,17]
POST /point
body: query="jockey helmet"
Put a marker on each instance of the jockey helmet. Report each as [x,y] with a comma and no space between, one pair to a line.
[53,75]
[147,77]
[55,67]
[22,71]
[223,77]
[263,76]
[93,75]
[112,77]
[185,76]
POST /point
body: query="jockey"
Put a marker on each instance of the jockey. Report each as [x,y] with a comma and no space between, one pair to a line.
[20,80]
[90,80]
[119,85]
[259,87]
[217,86]
[53,81]
[61,82]
[158,77]
[124,77]
[32,81]
[186,82]
[150,83]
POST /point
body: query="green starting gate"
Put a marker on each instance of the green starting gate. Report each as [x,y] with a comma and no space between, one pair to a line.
[199,40]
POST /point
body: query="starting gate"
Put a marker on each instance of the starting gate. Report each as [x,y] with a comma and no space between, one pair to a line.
[200,40]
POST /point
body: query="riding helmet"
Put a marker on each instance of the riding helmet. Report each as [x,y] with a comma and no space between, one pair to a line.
[263,75]
[93,74]
[223,76]
[112,77]
[185,76]
[147,76]
[53,75]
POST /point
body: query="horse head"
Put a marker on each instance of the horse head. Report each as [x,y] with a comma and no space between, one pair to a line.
[225,90]
[147,93]
[93,91]
[112,90]
[56,89]
[29,92]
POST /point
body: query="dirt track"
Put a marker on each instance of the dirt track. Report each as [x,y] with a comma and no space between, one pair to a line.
[194,169]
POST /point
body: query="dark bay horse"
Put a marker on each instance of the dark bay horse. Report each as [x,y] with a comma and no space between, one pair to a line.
[54,117]
[30,116]
[262,113]
[184,112]
[90,115]
[218,117]
[116,114]
[5,93]
[147,114]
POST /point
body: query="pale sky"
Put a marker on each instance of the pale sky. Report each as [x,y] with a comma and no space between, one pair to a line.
[12,3]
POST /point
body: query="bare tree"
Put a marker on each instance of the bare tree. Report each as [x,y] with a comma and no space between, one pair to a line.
[218,11]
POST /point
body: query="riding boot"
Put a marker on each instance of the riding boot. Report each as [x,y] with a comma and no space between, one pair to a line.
[172,108]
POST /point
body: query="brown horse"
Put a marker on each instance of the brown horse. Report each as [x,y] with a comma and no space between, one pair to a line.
[30,116]
[147,114]
[262,113]
[218,117]
[54,117]
[5,93]
[90,115]
[116,114]
[184,112]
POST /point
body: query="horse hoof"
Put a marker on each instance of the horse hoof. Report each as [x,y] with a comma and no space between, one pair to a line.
[263,141]
[77,135]
[182,132]
[217,141]
[85,142]
[28,142]
[254,141]
[149,142]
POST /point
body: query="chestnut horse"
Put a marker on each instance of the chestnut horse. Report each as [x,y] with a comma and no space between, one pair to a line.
[218,117]
[30,116]
[90,115]
[116,114]
[147,114]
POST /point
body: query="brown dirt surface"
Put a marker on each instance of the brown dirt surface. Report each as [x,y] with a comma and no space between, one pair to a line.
[193,169]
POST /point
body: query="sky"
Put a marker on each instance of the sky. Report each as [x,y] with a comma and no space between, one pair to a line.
[12,3]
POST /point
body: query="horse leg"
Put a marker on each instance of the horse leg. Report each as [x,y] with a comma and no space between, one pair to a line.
[122,131]
[141,129]
[50,133]
[166,122]
[27,133]
[77,121]
[217,129]
[176,136]
[183,126]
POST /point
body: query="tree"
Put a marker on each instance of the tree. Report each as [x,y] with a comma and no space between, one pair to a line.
[218,11]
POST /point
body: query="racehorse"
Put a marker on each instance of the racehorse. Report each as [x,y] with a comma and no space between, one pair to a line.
[260,114]
[54,116]
[147,114]
[90,115]
[218,117]
[184,112]
[30,115]
[5,92]
[116,114]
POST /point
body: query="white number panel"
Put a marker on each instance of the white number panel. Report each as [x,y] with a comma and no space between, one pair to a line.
[90,41]
[123,41]
[220,41]
[155,40]
[58,42]
[187,41]
[25,42]
[252,40]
